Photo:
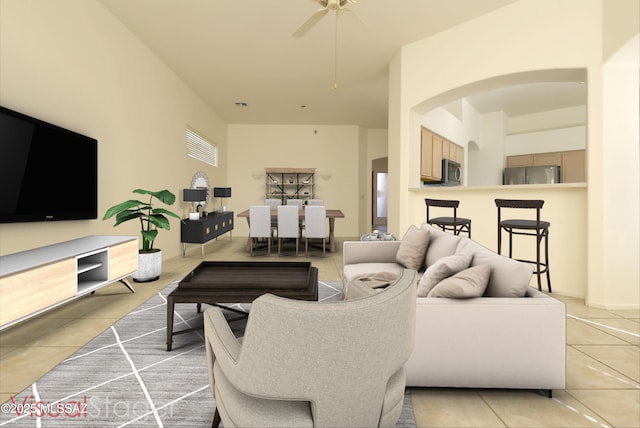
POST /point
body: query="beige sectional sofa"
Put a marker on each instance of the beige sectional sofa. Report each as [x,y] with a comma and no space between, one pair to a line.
[510,336]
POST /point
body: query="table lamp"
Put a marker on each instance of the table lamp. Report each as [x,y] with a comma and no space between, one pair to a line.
[222,192]
[196,196]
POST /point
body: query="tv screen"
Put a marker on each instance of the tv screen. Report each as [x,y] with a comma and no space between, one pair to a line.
[47,173]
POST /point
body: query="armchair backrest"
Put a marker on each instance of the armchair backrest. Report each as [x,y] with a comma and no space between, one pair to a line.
[339,356]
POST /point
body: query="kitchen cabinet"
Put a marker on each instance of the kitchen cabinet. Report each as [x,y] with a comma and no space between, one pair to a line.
[459,154]
[572,163]
[546,159]
[519,161]
[426,157]
[574,166]
[433,149]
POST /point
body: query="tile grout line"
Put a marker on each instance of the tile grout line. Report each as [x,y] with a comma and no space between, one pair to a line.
[604,325]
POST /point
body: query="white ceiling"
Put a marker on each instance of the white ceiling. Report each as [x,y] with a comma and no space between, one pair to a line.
[242,51]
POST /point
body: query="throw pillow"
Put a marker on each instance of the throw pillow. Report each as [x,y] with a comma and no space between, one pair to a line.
[412,248]
[465,284]
[441,244]
[443,268]
[509,277]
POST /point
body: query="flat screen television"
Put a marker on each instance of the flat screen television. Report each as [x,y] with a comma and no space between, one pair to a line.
[47,173]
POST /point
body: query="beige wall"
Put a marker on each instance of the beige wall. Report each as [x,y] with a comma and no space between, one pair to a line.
[335,152]
[70,62]
[573,32]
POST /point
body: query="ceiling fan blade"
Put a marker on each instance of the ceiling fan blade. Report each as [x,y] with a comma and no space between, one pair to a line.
[309,23]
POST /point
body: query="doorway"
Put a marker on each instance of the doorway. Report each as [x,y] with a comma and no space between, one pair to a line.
[379,196]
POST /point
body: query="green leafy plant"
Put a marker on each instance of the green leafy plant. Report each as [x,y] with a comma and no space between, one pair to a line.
[150,218]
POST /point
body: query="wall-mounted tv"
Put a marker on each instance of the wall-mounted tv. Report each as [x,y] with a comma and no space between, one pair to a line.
[47,173]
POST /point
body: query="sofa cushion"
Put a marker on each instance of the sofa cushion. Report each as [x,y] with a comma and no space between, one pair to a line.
[441,244]
[465,284]
[413,248]
[509,278]
[441,269]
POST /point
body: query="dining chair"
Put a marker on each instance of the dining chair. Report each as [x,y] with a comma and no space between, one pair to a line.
[273,203]
[315,225]
[260,225]
[288,224]
[297,202]
[315,201]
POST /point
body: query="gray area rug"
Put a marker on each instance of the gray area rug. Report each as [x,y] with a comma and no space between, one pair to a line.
[126,377]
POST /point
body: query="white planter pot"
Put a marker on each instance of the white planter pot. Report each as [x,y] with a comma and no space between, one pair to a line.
[149,267]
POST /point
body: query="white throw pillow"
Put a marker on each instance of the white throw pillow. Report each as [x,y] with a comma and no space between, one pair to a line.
[443,268]
[464,285]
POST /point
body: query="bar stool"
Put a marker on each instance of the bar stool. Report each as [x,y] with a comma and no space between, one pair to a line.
[537,228]
[455,224]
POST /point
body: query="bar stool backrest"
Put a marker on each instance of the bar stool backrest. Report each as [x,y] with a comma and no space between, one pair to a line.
[520,203]
[443,203]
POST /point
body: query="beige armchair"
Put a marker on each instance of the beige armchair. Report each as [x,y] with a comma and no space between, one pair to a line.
[311,364]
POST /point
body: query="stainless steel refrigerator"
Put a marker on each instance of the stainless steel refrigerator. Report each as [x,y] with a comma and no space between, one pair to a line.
[531,175]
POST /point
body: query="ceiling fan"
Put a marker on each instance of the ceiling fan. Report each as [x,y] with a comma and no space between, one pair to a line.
[338,6]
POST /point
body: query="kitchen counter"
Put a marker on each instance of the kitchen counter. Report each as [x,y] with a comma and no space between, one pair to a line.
[558,186]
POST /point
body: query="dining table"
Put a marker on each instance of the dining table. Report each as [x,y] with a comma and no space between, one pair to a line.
[332,215]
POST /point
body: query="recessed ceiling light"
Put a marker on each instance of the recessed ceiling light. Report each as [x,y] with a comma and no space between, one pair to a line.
[241,104]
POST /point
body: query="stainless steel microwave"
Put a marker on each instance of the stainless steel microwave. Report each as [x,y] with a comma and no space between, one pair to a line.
[451,173]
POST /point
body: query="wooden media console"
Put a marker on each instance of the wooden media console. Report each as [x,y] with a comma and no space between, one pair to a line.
[37,280]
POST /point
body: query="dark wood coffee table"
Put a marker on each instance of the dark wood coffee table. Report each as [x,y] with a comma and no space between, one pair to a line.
[241,282]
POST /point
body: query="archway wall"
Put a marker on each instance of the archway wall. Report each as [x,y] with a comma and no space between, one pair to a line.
[523,39]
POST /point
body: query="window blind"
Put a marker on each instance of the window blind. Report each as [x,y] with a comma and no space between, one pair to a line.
[198,147]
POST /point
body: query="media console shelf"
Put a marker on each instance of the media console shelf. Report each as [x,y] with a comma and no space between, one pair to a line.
[37,280]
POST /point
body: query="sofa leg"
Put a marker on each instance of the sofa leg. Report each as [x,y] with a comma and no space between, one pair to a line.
[547,392]
[216,419]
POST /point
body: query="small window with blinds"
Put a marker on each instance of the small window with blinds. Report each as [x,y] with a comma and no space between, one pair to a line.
[198,147]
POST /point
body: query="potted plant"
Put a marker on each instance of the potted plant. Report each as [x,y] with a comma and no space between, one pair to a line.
[149,258]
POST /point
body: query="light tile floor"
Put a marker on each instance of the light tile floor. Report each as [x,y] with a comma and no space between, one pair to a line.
[603,358]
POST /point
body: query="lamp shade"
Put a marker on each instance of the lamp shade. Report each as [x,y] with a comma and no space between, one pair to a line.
[194,195]
[222,192]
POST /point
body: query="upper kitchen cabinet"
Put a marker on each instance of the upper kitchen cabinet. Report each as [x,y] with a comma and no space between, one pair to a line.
[574,166]
[572,163]
[433,149]
[544,159]
[519,161]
